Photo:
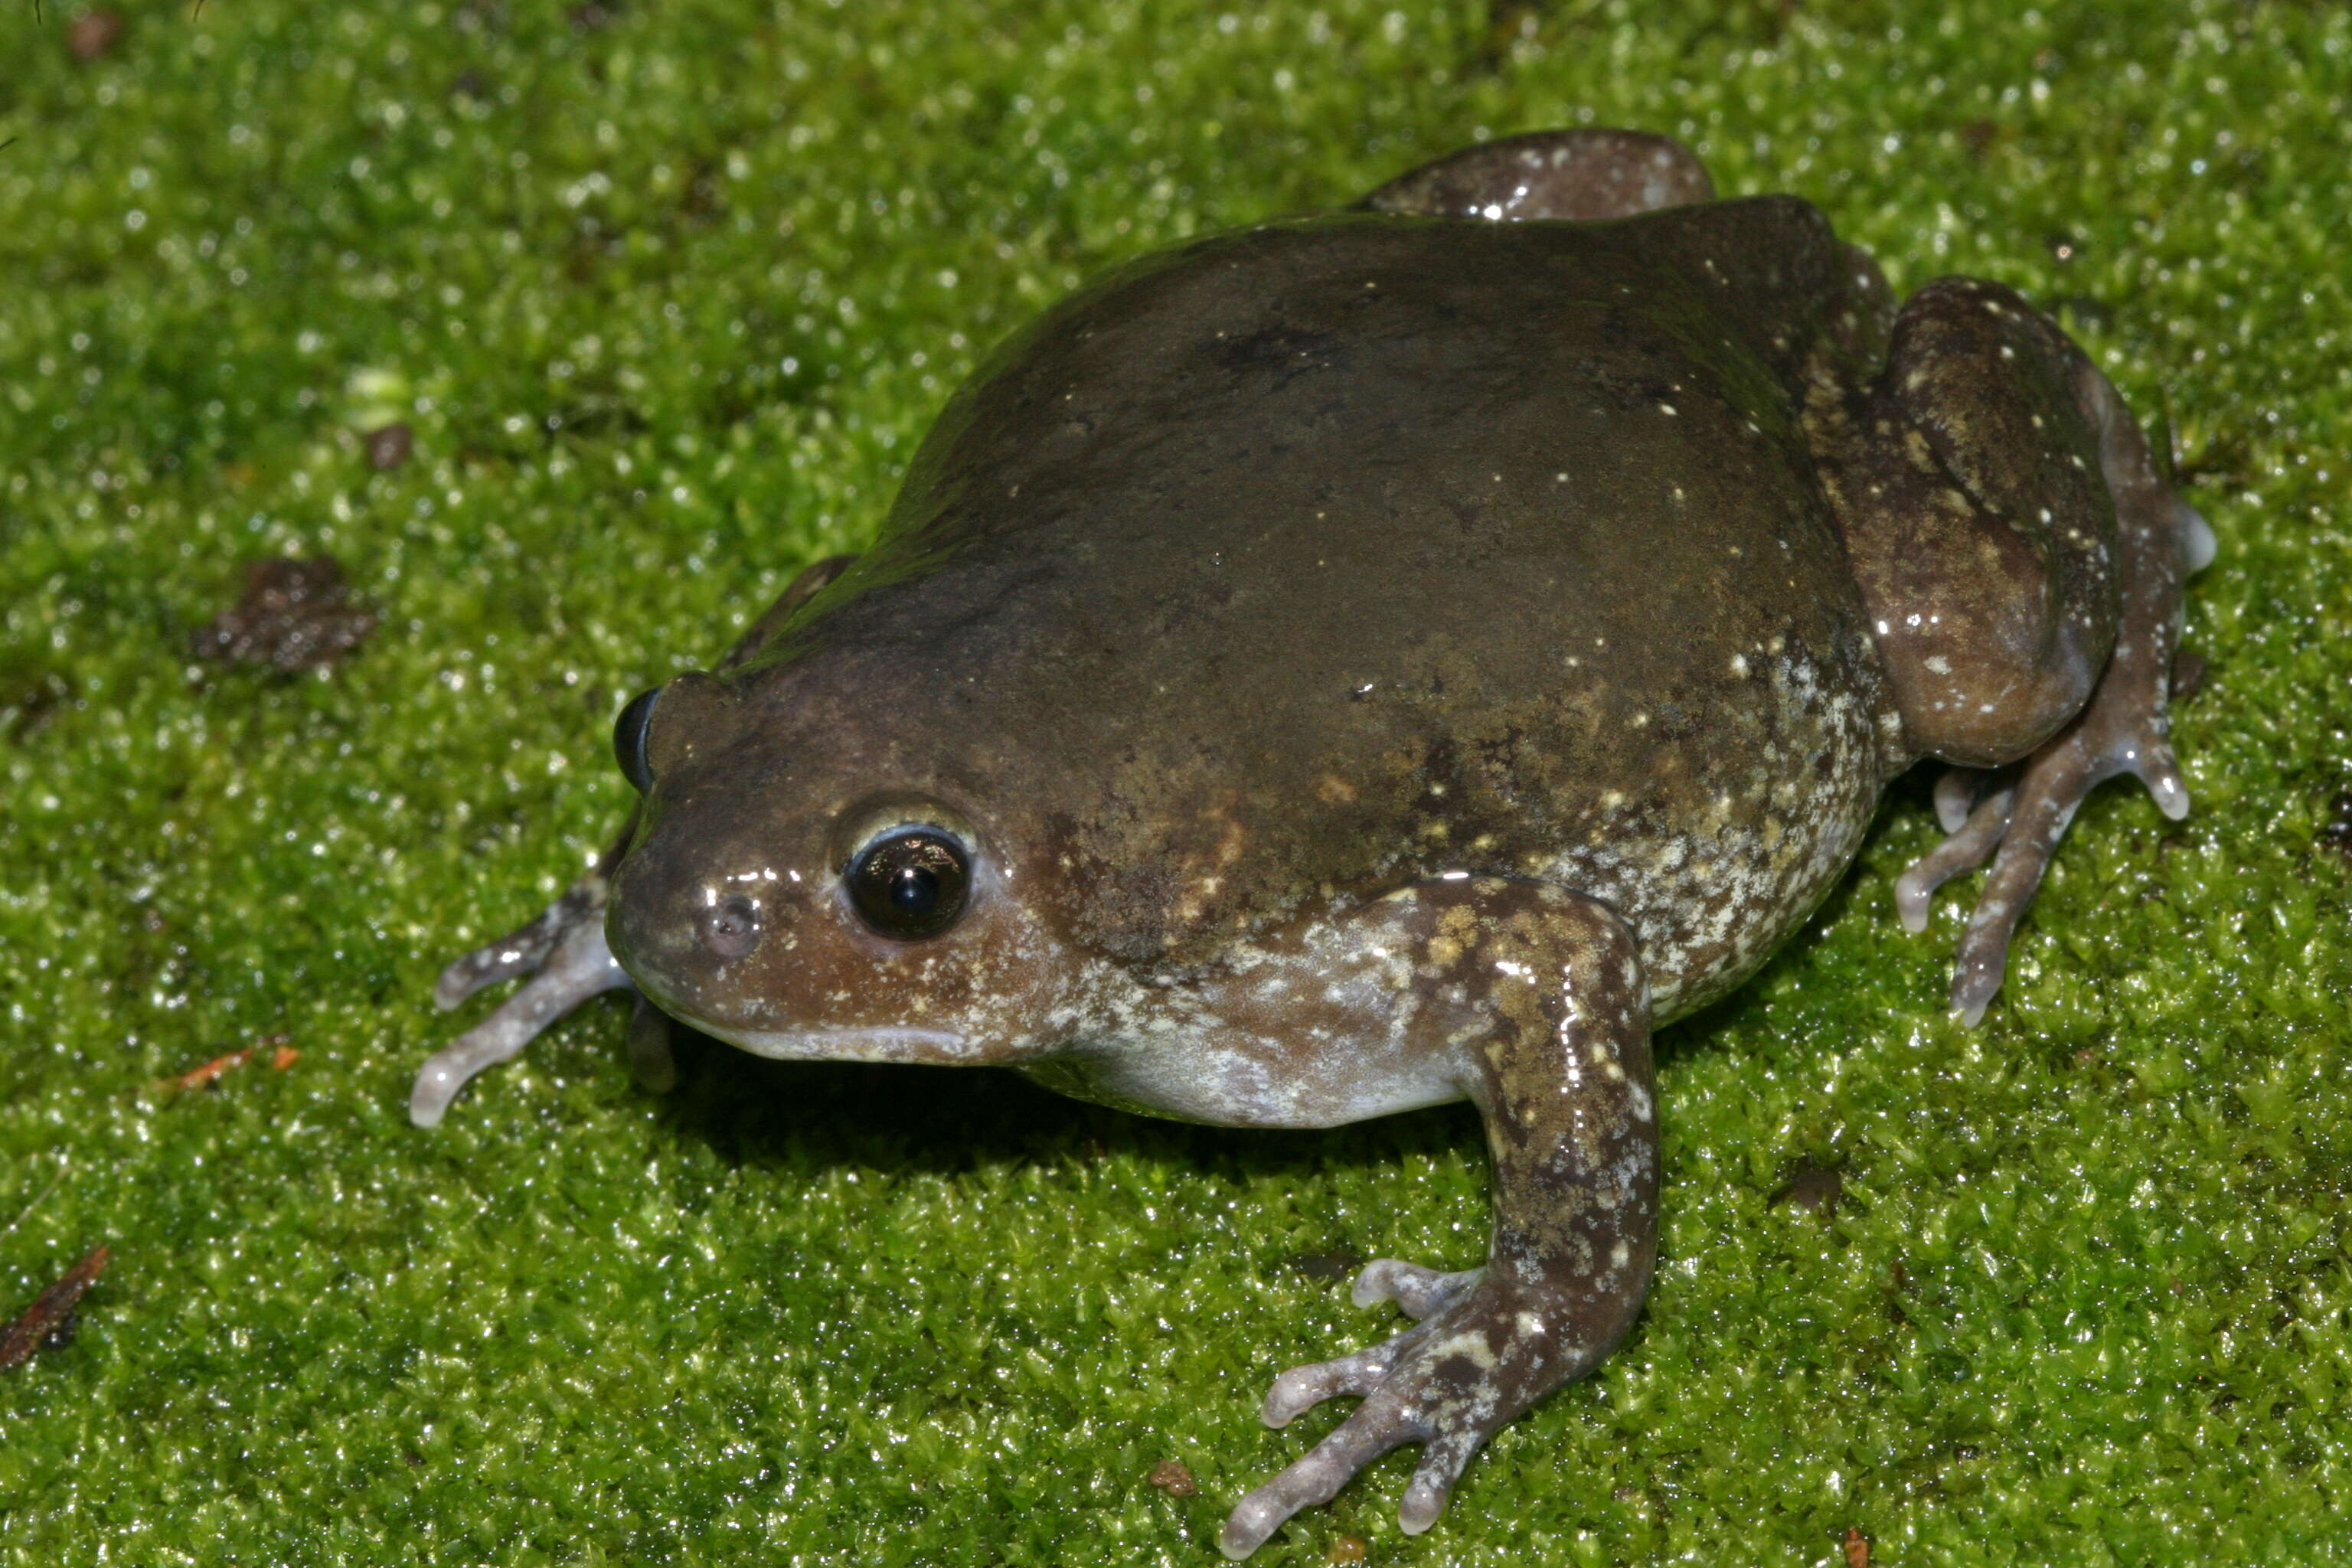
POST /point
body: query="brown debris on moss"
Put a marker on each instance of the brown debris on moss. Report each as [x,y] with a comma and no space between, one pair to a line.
[294,616]
[48,1323]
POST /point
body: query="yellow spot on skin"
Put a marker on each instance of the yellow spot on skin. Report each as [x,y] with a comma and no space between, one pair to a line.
[1336,790]
[1444,950]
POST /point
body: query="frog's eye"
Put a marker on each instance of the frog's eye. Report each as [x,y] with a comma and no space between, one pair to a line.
[911,883]
[629,738]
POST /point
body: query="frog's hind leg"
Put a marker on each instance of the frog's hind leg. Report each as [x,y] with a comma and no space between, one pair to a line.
[2125,728]
[2061,655]
[1581,174]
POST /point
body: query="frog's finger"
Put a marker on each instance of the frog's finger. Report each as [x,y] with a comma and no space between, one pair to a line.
[1443,1460]
[2159,770]
[1302,1388]
[1957,794]
[1418,1291]
[2044,807]
[1317,1477]
[522,951]
[652,1064]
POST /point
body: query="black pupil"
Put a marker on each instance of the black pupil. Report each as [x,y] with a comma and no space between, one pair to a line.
[911,884]
[915,889]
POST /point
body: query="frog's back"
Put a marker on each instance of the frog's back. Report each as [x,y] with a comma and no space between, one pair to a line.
[1331,553]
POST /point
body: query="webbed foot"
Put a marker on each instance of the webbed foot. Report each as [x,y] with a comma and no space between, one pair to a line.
[1480,1356]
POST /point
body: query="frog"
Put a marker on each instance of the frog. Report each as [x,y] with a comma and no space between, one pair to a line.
[1401,655]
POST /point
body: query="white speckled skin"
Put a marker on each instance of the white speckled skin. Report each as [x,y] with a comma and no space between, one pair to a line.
[1399,656]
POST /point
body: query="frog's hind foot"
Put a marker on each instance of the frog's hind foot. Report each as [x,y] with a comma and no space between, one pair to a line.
[1577,174]
[2017,815]
[563,951]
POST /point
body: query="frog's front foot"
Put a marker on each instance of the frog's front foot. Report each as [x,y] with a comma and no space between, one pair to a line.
[564,953]
[1483,1354]
[1418,1291]
[1536,995]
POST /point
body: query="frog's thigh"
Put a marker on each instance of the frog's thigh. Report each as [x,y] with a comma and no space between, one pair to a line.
[1967,482]
[1552,174]
[1536,997]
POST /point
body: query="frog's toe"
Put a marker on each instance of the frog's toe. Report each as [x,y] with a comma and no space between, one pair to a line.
[1974,835]
[1418,1291]
[1317,1478]
[1443,1460]
[1302,1388]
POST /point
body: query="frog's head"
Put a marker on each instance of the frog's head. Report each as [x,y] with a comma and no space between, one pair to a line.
[807,883]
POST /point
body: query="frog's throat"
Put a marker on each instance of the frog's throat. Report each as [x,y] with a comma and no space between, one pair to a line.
[878,1044]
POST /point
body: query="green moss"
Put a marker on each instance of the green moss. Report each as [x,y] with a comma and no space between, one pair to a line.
[667,300]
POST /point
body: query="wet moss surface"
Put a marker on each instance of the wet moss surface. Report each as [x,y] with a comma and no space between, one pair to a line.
[661,297]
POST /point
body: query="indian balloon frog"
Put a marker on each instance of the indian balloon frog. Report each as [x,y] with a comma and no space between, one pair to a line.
[1400,656]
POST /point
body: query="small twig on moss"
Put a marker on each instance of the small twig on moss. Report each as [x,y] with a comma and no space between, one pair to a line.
[52,1315]
[200,1077]
[55,1183]
[282,1057]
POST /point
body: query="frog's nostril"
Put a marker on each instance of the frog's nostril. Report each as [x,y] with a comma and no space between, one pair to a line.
[730,928]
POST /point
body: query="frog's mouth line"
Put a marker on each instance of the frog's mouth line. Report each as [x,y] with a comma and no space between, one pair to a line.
[853,1045]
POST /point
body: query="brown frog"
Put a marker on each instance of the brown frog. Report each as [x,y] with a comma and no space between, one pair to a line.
[1400,656]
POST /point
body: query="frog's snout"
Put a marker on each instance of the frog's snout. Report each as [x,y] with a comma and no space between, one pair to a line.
[686,938]
[729,927]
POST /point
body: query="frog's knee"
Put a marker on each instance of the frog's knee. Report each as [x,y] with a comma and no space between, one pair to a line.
[1575,175]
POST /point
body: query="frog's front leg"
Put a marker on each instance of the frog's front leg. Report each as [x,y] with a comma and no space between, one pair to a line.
[562,949]
[2022,813]
[1535,997]
[563,953]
